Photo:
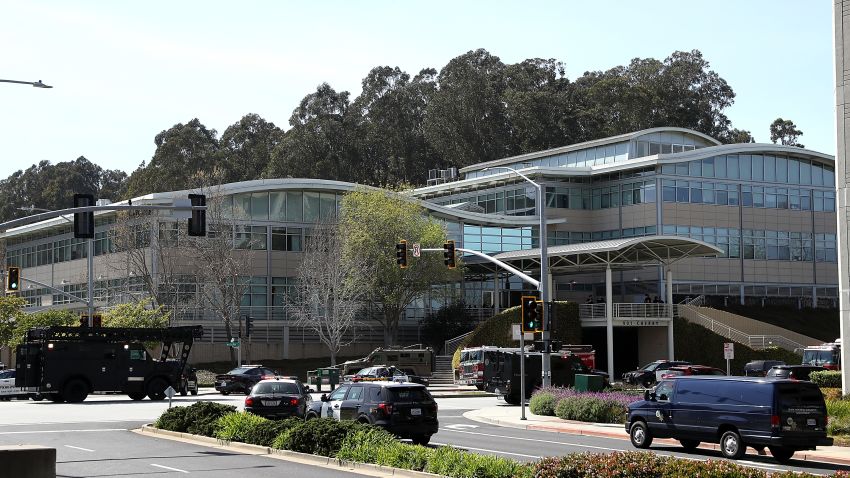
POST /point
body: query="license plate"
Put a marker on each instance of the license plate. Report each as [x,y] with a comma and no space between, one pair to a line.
[222,383]
[190,383]
[811,422]
[271,403]
[415,412]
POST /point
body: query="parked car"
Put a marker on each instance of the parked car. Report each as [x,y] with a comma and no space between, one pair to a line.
[793,372]
[8,390]
[404,409]
[648,374]
[680,370]
[241,379]
[278,398]
[387,373]
[783,415]
[759,368]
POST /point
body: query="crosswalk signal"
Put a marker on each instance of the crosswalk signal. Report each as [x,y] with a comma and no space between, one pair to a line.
[401,254]
[532,314]
[449,254]
[13,279]
[198,221]
[84,221]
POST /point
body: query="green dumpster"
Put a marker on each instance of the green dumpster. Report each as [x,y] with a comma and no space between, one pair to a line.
[329,375]
[588,383]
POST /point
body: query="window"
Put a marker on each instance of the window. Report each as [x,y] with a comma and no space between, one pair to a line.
[260,206]
[356,394]
[294,210]
[286,239]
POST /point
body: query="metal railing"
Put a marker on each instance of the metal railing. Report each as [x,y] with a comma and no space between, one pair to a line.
[626,310]
[452,344]
[755,342]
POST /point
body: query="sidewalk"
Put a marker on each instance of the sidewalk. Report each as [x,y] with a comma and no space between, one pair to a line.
[509,416]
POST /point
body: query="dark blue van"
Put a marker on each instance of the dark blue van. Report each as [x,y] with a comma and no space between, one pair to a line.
[736,412]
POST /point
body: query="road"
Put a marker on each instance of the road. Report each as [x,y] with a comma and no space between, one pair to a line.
[94,438]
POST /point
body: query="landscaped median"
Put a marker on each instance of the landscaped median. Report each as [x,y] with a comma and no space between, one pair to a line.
[355,445]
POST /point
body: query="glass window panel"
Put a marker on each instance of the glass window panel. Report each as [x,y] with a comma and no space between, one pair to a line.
[720,167]
[746,169]
[708,168]
[312,206]
[758,167]
[242,206]
[817,174]
[682,169]
[277,210]
[260,206]
[328,205]
[793,171]
[654,148]
[666,148]
[294,202]
[828,176]
[694,169]
[805,172]
[668,169]
[781,169]
[770,168]
[732,167]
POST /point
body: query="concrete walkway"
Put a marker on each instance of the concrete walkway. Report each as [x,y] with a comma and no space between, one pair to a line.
[509,416]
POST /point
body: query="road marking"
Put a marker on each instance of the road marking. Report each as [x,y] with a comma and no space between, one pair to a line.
[534,440]
[169,468]
[78,448]
[460,426]
[486,450]
[65,431]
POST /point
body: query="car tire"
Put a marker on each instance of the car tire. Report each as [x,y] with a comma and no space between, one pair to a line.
[75,391]
[37,397]
[136,396]
[781,454]
[512,399]
[225,393]
[731,446]
[480,387]
[647,383]
[689,445]
[640,435]
[194,392]
[156,389]
[310,416]
[421,439]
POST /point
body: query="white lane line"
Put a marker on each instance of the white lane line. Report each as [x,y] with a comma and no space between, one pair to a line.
[78,448]
[532,440]
[169,468]
[497,452]
[65,431]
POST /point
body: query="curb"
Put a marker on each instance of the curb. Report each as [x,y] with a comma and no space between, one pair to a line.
[316,460]
[803,455]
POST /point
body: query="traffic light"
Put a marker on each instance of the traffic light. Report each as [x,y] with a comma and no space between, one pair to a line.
[198,221]
[401,254]
[248,324]
[84,221]
[449,254]
[13,279]
[532,314]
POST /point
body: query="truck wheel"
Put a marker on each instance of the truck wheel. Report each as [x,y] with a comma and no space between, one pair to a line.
[137,395]
[194,392]
[421,439]
[512,399]
[156,389]
[75,391]
[689,445]
[639,435]
[37,397]
[56,398]
[780,454]
[731,446]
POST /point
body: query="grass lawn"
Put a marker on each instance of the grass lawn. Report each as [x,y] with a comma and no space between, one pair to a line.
[821,324]
[297,367]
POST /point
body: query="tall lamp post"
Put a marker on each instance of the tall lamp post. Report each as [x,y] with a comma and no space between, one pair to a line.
[37,84]
[544,271]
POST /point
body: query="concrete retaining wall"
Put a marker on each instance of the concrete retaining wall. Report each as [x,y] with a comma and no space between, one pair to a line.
[28,461]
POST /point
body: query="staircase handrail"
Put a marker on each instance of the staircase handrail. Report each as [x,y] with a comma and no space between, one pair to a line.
[755,342]
[451,345]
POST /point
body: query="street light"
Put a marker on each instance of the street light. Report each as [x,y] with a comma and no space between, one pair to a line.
[544,271]
[37,84]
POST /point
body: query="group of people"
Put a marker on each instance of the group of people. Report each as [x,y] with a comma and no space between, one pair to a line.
[646,300]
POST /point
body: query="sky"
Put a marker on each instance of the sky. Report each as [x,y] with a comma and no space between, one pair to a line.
[124,71]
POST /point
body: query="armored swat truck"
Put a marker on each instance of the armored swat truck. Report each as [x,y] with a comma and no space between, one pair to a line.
[412,360]
[66,364]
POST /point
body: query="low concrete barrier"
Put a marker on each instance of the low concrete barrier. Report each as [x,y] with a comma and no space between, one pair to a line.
[28,461]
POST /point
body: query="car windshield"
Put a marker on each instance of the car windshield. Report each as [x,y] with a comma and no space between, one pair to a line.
[650,367]
[409,394]
[276,387]
[239,370]
[7,374]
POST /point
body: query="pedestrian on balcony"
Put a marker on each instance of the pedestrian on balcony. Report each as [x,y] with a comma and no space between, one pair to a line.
[647,299]
[589,299]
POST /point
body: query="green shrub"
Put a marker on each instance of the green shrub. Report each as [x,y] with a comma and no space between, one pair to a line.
[838,426]
[590,409]
[265,433]
[321,436]
[543,403]
[201,417]
[366,444]
[838,409]
[826,378]
[173,419]
[676,468]
[448,461]
[236,426]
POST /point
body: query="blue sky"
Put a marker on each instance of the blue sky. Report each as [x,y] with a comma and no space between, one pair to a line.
[124,71]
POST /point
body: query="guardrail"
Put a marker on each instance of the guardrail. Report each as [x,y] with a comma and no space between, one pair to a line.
[755,342]
[452,344]
[626,310]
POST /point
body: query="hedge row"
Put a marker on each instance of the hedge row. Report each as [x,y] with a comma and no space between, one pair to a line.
[496,331]
[826,378]
[567,404]
[368,444]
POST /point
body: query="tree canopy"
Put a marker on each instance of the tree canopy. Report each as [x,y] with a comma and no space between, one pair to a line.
[786,132]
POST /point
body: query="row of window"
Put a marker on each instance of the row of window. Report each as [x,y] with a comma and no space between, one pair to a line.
[724,194]
[762,244]
[294,206]
[490,240]
[756,167]
[513,202]
[560,238]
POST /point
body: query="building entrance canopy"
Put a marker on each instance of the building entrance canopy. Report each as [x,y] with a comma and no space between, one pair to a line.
[626,253]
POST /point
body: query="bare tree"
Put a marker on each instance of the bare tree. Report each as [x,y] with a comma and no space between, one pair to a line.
[327,300]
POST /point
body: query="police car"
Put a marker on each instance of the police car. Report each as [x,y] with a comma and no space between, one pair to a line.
[8,390]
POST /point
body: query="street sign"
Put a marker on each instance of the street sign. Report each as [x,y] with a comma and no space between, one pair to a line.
[232,344]
[729,351]
[417,249]
[516,330]
[170,392]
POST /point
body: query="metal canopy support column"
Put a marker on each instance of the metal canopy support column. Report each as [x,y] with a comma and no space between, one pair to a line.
[670,306]
[497,292]
[609,321]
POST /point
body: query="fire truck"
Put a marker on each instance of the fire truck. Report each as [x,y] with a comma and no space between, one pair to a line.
[66,364]
[473,367]
[826,355]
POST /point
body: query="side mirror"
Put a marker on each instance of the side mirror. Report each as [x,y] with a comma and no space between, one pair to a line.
[663,397]
[649,396]
[308,389]
[324,397]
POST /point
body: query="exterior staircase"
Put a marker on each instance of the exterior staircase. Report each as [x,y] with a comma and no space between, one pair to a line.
[443,373]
